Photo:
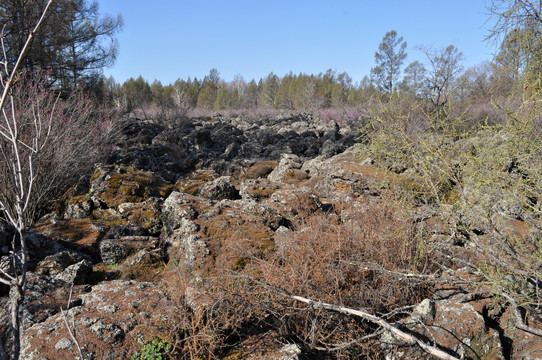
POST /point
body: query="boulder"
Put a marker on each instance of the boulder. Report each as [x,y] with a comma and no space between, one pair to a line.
[114,251]
[177,209]
[455,325]
[55,264]
[220,189]
[109,322]
[79,208]
[287,163]
[76,274]
[330,148]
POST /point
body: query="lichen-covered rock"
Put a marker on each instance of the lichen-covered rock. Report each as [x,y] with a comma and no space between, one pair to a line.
[220,189]
[114,251]
[455,325]
[55,264]
[258,189]
[178,206]
[287,163]
[206,235]
[112,186]
[79,208]
[109,323]
[43,298]
[76,274]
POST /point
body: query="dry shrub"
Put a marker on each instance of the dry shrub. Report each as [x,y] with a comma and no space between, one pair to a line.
[484,113]
[211,317]
[260,169]
[353,258]
[331,258]
[78,133]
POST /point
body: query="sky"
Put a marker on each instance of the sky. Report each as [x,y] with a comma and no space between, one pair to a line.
[170,39]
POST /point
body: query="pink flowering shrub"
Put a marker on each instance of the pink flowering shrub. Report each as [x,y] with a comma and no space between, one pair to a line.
[342,115]
[77,134]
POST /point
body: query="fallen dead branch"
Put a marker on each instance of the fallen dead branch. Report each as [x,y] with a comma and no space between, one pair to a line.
[384,324]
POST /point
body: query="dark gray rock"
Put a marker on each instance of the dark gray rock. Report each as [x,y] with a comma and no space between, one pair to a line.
[220,189]
[7,232]
[331,148]
[76,274]
[55,264]
[114,251]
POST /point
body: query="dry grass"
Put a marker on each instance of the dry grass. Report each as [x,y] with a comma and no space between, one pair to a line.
[325,256]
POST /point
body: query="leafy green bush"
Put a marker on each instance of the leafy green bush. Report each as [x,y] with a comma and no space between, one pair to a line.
[155,349]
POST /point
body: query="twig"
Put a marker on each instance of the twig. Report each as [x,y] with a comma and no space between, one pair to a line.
[350,343]
[364,315]
[402,275]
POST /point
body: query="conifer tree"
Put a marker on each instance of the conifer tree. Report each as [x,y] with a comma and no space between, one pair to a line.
[76,42]
[209,90]
[269,91]
[389,58]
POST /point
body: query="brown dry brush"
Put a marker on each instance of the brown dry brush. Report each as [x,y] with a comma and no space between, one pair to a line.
[330,257]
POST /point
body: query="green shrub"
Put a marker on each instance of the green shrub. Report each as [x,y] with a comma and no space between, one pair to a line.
[155,349]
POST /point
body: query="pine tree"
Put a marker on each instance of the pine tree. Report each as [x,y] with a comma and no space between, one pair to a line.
[76,42]
[390,56]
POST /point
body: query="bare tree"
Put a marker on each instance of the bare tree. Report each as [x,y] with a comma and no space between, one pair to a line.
[517,29]
[512,14]
[443,68]
[19,143]
[414,78]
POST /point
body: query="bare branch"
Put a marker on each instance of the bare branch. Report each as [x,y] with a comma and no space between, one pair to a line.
[379,321]
[71,328]
[338,347]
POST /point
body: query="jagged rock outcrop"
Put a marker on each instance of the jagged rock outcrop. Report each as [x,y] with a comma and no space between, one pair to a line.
[223,142]
[207,197]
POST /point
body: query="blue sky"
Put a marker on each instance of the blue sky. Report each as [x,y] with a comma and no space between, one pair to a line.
[171,39]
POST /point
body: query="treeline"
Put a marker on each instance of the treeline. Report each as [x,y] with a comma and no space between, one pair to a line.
[77,42]
[305,92]
[439,82]
[299,92]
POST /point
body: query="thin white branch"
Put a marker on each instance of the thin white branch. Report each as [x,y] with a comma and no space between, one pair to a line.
[376,320]
[70,331]
[4,281]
